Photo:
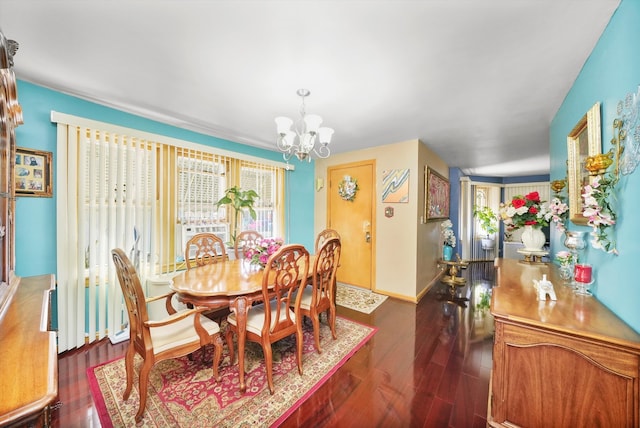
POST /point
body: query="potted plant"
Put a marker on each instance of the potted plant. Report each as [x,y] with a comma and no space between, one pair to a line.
[489,222]
[239,200]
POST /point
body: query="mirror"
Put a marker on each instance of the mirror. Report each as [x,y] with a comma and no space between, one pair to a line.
[584,140]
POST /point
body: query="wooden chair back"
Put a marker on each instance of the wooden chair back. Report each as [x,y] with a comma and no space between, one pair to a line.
[203,249]
[244,238]
[133,297]
[286,271]
[323,236]
[324,273]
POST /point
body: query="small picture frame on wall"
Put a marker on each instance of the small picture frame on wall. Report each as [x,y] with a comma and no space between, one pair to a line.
[436,198]
[33,173]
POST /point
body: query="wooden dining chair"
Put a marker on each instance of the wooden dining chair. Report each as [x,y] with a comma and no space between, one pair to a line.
[325,235]
[180,333]
[204,248]
[245,238]
[322,237]
[317,297]
[278,316]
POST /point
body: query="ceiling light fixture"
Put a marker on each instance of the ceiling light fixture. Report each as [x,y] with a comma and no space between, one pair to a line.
[306,129]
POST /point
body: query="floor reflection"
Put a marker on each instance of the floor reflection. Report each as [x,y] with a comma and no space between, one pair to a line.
[465,306]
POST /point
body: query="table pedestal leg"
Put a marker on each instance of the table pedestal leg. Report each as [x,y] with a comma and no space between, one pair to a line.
[241,308]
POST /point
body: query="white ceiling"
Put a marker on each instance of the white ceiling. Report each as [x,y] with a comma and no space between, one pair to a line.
[478,81]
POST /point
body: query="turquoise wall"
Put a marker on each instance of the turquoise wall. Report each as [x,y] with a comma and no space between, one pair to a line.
[611,72]
[36,217]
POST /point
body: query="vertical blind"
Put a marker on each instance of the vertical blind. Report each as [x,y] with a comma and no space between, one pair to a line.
[118,189]
[109,203]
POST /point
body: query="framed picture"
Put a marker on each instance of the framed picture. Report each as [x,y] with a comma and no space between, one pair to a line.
[584,140]
[395,185]
[436,189]
[33,174]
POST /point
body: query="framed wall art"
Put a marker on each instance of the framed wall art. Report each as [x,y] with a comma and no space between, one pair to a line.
[584,140]
[436,197]
[33,174]
[395,185]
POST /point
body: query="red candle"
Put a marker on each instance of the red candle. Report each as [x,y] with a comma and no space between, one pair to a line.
[583,273]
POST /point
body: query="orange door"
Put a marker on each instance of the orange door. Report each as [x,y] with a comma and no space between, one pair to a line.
[354,220]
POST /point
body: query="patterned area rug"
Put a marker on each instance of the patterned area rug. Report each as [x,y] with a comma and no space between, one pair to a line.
[182,392]
[358,299]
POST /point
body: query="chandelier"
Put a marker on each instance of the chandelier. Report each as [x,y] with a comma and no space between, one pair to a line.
[301,141]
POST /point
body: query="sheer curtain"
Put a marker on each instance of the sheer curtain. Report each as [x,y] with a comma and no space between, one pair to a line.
[105,200]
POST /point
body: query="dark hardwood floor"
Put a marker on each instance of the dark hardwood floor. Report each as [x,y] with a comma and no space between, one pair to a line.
[427,366]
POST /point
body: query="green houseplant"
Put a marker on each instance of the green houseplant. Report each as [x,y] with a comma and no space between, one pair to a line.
[488,220]
[239,200]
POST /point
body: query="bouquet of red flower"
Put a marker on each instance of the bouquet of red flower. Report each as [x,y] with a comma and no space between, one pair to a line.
[259,253]
[526,210]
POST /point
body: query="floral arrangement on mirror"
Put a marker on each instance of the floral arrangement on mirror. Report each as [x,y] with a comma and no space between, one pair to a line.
[527,210]
[558,208]
[261,250]
[598,208]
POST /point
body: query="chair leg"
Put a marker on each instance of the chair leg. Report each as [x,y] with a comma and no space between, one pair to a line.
[331,317]
[217,353]
[299,342]
[268,362]
[229,338]
[128,364]
[144,383]
[315,320]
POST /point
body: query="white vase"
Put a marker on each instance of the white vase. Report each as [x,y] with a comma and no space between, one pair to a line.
[533,238]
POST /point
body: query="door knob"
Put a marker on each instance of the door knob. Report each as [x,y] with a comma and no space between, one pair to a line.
[367,237]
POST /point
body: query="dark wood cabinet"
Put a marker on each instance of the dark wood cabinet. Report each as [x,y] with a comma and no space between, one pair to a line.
[571,362]
[28,355]
[29,384]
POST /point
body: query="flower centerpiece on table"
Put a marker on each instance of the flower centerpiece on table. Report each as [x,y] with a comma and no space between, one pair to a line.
[565,258]
[448,237]
[527,210]
[259,252]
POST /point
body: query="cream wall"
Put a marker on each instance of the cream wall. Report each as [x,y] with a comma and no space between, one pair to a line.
[406,249]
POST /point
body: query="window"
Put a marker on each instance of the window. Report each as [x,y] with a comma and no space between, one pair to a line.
[142,193]
[263,179]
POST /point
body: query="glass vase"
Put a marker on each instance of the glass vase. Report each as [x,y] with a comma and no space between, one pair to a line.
[447,252]
[575,243]
[566,273]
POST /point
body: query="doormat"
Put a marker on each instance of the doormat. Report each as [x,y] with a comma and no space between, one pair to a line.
[358,299]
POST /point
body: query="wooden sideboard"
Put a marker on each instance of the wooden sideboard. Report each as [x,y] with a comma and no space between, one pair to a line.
[28,360]
[571,362]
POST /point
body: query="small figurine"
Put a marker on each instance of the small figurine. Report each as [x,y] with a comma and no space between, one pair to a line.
[544,288]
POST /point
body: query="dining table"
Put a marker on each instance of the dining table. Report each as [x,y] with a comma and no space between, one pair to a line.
[235,284]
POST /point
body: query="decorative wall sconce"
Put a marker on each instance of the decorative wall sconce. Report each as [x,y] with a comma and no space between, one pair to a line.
[619,135]
[558,185]
[598,164]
